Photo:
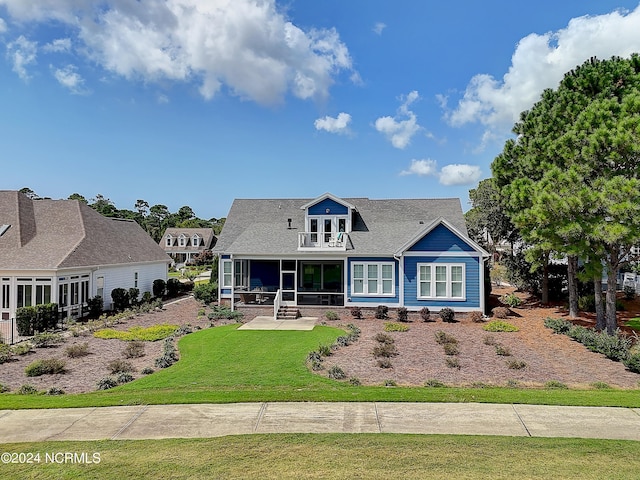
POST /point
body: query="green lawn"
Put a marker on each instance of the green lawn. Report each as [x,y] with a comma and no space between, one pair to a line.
[223,365]
[337,456]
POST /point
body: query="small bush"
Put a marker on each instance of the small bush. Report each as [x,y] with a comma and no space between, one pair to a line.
[600,386]
[147,371]
[324,350]
[516,364]
[343,341]
[384,363]
[106,383]
[425,314]
[55,391]
[221,312]
[355,381]
[21,348]
[46,366]
[587,303]
[5,353]
[169,354]
[451,349]
[46,340]
[134,349]
[27,389]
[331,315]
[499,326]
[390,383]
[443,338]
[555,384]
[158,287]
[314,356]
[500,312]
[395,327]
[185,329]
[336,373]
[489,340]
[511,299]
[513,383]
[120,366]
[453,362]
[4,388]
[77,350]
[476,317]
[433,383]
[382,312]
[558,325]
[629,292]
[503,351]
[447,315]
[124,377]
[206,292]
[384,338]
[316,365]
[633,362]
[385,350]
[356,312]
[403,314]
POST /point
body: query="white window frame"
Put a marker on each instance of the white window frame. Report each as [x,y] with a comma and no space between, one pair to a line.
[432,279]
[169,240]
[182,240]
[195,240]
[378,279]
[227,276]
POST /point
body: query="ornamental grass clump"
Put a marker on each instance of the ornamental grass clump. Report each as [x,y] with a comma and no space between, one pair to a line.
[46,366]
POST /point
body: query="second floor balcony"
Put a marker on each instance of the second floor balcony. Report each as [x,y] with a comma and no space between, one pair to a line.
[314,241]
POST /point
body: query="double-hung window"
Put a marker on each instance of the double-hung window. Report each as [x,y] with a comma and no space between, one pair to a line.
[227,274]
[372,278]
[441,281]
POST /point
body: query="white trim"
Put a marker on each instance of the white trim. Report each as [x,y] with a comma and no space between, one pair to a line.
[448,280]
[443,254]
[379,279]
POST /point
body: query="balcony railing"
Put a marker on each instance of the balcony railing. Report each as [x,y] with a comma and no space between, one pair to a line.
[323,241]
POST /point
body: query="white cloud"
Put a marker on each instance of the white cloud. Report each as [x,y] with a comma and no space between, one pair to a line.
[339,125]
[247,46]
[379,27]
[421,168]
[3,25]
[69,78]
[460,174]
[58,45]
[399,132]
[162,99]
[22,53]
[539,62]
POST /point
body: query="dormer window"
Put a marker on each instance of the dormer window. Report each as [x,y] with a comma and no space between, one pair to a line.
[169,240]
[182,240]
[195,240]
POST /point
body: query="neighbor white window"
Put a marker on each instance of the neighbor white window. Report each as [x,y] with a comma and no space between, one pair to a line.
[368,278]
[169,240]
[227,274]
[441,280]
[182,240]
[195,241]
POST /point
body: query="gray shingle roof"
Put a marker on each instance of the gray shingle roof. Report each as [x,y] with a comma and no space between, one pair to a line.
[50,234]
[380,227]
[206,234]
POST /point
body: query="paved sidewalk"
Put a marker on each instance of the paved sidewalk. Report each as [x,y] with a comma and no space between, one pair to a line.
[268,323]
[214,420]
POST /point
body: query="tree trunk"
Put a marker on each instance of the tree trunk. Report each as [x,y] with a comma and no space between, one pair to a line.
[597,293]
[545,279]
[612,274]
[572,274]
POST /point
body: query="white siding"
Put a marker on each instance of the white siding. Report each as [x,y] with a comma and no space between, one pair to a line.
[123,277]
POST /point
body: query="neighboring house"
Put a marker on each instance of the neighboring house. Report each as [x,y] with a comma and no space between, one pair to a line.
[182,244]
[64,252]
[350,252]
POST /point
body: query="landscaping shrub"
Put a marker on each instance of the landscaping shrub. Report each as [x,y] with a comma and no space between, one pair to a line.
[558,325]
[489,340]
[4,388]
[134,293]
[120,366]
[55,391]
[555,384]
[149,334]
[354,332]
[433,383]
[476,317]
[120,298]
[158,288]
[27,389]
[146,297]
[356,312]
[632,362]
[46,340]
[134,349]
[106,383]
[503,351]
[224,312]
[425,314]
[21,348]
[453,362]
[384,363]
[629,292]
[77,350]
[206,292]
[169,354]
[324,350]
[5,353]
[95,306]
[516,364]
[511,299]
[343,341]
[451,349]
[499,326]
[331,315]
[124,377]
[500,312]
[382,312]
[385,350]
[390,383]
[600,386]
[25,319]
[46,366]
[447,315]
[355,381]
[587,303]
[403,314]
[185,329]
[384,338]
[443,338]
[46,317]
[173,287]
[336,373]
[147,371]
[395,327]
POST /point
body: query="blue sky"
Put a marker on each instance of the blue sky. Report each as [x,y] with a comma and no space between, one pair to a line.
[194,102]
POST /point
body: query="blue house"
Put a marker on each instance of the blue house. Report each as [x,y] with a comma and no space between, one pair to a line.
[350,252]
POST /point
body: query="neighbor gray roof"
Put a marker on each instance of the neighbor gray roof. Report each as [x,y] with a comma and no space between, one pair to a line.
[206,234]
[380,227]
[52,234]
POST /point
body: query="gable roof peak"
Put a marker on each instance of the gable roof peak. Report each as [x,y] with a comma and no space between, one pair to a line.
[329,196]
